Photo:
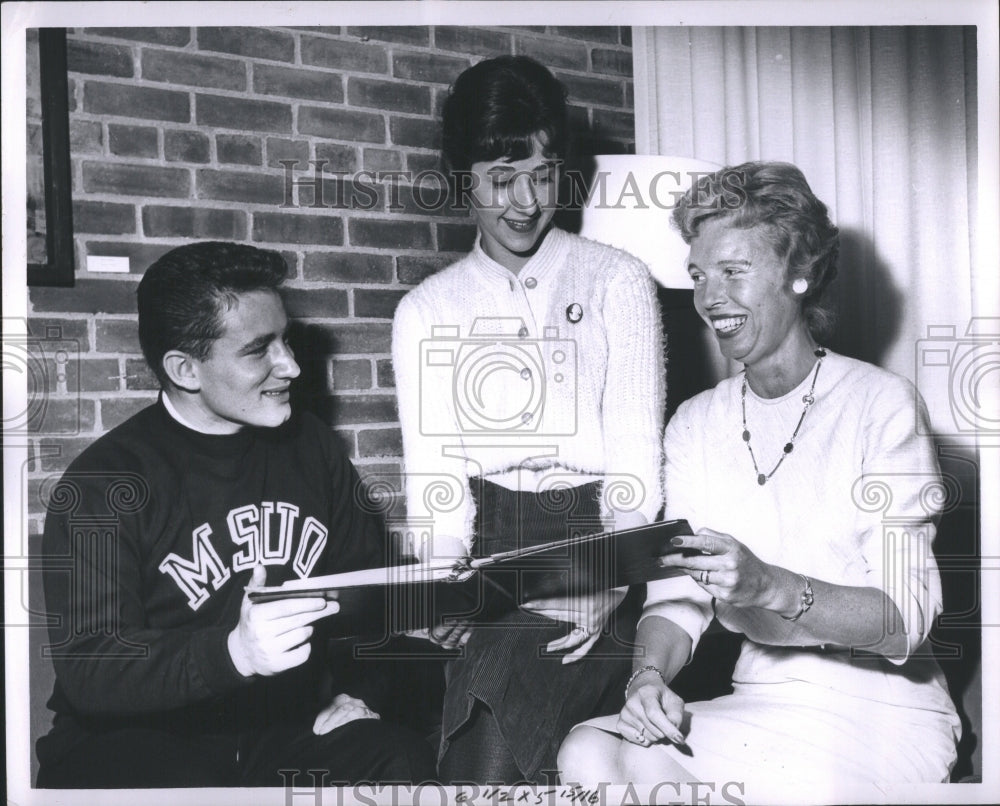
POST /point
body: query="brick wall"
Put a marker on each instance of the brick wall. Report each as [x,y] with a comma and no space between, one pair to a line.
[182,133]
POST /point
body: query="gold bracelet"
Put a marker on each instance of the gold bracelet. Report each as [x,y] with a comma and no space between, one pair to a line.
[638,672]
[805,600]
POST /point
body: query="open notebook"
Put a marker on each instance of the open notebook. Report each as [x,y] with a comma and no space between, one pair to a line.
[400,598]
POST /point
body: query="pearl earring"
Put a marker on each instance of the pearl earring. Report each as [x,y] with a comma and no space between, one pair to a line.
[800,286]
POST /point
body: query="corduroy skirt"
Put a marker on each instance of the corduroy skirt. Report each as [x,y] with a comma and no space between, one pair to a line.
[534,697]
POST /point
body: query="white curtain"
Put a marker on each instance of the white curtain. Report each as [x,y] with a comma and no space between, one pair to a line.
[882,123]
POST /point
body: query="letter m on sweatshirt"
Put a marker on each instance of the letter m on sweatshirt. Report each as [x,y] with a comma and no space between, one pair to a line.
[193,576]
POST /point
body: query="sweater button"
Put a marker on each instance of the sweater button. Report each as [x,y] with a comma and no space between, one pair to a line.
[531,282]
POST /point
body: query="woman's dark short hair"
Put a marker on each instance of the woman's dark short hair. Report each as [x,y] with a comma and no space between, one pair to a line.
[495,107]
[777,195]
[182,297]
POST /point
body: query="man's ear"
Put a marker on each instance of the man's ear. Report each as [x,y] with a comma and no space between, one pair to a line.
[182,370]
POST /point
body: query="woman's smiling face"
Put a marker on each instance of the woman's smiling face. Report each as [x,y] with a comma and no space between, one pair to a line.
[741,291]
[513,203]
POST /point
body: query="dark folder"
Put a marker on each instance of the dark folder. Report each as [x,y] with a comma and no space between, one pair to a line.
[402,598]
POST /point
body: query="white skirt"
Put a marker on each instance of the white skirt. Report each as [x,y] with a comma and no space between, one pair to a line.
[797,737]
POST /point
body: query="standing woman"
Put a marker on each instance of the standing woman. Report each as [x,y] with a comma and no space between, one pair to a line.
[814,495]
[530,378]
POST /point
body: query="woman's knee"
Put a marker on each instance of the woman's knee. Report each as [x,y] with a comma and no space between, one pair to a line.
[650,764]
[588,755]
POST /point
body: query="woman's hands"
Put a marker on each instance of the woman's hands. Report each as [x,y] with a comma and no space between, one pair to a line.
[451,635]
[732,573]
[652,711]
[588,613]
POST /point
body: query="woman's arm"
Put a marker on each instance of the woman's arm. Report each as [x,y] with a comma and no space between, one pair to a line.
[852,616]
[675,615]
[634,397]
[652,711]
[438,498]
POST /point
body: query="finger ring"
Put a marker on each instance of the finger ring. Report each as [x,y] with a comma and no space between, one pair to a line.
[642,734]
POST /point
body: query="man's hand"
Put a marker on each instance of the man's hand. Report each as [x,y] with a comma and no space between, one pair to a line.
[274,636]
[342,710]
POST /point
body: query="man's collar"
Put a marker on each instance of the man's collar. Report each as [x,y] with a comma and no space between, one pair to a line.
[172,411]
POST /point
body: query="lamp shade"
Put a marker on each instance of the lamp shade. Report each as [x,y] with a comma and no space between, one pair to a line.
[629,206]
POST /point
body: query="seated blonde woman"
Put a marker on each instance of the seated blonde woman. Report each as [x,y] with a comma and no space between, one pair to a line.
[778,470]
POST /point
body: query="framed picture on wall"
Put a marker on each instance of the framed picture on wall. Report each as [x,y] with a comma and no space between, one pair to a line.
[49,197]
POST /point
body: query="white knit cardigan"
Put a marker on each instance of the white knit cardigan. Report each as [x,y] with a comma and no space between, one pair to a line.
[551,377]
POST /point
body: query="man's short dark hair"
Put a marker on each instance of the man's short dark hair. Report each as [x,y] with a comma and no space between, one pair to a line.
[183,295]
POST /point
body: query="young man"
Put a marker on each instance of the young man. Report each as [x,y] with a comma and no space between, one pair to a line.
[166,673]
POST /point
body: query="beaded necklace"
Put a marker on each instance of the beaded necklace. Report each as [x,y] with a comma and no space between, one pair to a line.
[807,401]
